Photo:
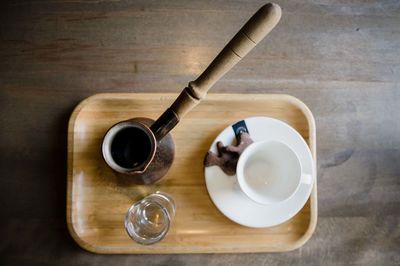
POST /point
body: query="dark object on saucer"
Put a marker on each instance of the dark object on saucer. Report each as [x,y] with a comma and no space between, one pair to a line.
[228,156]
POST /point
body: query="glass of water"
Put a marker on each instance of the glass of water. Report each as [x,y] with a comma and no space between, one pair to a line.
[148,221]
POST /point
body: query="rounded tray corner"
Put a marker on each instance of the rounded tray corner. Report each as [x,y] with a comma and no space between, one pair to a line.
[311,228]
[82,243]
[81,105]
[303,107]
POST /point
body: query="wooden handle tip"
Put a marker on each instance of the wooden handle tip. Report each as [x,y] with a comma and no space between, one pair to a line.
[271,9]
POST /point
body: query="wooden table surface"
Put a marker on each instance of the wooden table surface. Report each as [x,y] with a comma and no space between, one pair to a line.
[342,58]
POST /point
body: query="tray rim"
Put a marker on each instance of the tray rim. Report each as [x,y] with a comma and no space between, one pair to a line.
[101,250]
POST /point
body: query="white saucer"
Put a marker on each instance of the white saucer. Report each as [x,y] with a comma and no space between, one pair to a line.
[233,203]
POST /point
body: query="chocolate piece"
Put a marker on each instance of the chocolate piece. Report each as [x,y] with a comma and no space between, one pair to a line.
[228,156]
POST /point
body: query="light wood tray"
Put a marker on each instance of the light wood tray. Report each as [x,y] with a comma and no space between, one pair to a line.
[97,199]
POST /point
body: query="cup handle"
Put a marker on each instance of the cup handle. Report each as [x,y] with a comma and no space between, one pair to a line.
[306,179]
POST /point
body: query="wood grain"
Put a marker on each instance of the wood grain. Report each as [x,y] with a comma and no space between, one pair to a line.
[97,199]
[341,58]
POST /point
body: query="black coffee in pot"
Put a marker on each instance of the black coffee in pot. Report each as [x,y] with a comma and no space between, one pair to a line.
[130,147]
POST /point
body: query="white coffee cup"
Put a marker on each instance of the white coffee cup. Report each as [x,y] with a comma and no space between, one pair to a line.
[270,172]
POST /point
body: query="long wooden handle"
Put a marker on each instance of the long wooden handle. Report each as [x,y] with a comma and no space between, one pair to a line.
[258,26]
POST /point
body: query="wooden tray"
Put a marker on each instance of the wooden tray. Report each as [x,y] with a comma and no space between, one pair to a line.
[97,199]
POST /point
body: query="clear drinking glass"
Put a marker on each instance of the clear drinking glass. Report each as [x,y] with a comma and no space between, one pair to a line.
[148,221]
